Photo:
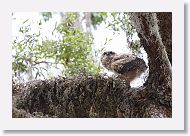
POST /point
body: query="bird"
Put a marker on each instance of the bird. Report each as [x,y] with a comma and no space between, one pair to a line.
[127,66]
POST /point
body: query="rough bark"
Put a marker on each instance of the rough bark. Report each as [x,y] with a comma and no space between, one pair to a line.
[160,75]
[79,96]
[165,26]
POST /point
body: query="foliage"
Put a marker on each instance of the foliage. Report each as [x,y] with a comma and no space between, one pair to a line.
[46,16]
[36,52]
[118,21]
[24,49]
[73,50]
[98,17]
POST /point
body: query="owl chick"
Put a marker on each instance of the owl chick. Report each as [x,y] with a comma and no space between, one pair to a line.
[127,66]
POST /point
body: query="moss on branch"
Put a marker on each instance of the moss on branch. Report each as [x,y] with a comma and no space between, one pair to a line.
[84,97]
[71,97]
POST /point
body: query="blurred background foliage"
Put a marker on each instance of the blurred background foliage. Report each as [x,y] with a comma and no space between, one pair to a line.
[71,50]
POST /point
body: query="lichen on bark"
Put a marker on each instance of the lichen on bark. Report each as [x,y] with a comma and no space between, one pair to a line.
[72,97]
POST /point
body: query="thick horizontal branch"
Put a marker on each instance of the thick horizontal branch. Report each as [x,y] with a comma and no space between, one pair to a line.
[84,97]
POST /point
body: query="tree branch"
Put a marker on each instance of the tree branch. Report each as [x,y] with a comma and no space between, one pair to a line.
[160,75]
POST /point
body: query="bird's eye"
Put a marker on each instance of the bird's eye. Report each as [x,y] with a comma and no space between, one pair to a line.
[111,53]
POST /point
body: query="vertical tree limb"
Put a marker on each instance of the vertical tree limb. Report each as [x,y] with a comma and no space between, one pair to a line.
[160,75]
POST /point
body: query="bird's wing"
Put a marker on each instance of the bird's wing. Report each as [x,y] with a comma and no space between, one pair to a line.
[124,65]
[122,57]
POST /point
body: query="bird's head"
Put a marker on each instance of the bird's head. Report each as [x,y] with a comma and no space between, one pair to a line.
[106,58]
[108,54]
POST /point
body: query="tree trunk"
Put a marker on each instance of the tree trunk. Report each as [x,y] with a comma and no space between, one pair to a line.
[165,26]
[87,17]
[160,72]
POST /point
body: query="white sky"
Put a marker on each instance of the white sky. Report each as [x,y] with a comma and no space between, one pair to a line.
[117,43]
